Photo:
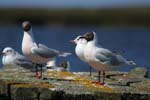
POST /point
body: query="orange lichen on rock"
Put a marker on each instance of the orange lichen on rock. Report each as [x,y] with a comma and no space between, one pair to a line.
[79,80]
[90,85]
[64,74]
[46,85]
[43,85]
[60,74]
[144,88]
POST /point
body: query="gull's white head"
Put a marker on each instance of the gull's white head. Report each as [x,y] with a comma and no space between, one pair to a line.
[26,25]
[79,40]
[8,51]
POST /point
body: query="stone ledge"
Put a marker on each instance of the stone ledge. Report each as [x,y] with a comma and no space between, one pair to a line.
[74,86]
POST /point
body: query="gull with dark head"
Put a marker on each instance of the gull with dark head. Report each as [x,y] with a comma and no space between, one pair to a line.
[37,53]
[101,58]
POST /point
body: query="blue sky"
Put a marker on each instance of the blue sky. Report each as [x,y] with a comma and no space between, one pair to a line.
[72,3]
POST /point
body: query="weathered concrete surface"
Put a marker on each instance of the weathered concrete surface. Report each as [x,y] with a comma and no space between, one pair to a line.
[18,84]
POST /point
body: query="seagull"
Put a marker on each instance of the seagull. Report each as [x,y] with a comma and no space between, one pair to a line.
[13,58]
[63,66]
[101,58]
[51,65]
[37,53]
[81,43]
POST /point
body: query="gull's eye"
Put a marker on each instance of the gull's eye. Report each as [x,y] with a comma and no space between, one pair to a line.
[9,51]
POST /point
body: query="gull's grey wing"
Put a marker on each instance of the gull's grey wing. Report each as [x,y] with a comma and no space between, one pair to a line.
[23,61]
[111,59]
[115,62]
[104,55]
[102,58]
[44,51]
[107,53]
[118,60]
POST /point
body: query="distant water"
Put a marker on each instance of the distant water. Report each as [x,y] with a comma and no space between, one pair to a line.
[134,41]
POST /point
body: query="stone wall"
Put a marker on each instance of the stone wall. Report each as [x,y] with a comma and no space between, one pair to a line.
[20,85]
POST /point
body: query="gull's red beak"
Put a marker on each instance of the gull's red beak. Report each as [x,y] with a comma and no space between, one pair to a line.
[72,41]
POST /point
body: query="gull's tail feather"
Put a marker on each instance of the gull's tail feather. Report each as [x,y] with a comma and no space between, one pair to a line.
[130,62]
[64,54]
[119,52]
